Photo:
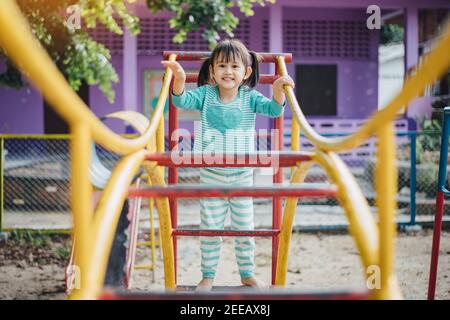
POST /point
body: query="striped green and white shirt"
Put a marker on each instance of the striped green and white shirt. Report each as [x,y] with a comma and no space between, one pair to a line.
[226,127]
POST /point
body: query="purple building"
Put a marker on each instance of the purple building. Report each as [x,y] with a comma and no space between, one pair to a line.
[335,63]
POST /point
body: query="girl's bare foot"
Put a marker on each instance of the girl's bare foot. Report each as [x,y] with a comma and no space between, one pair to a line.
[254,282]
[205,285]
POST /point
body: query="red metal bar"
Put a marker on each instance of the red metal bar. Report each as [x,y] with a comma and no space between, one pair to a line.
[224,233]
[263,78]
[232,293]
[220,191]
[257,159]
[173,171]
[436,242]
[277,205]
[200,55]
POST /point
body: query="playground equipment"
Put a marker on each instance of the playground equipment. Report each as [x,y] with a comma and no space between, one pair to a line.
[440,195]
[139,122]
[99,176]
[93,233]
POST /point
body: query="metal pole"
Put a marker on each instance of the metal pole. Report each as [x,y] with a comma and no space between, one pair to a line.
[277,205]
[412,180]
[439,205]
[173,172]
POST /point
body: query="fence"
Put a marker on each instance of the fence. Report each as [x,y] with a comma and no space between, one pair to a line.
[417,174]
[35,191]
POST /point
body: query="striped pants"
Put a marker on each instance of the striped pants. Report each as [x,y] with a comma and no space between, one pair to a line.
[213,213]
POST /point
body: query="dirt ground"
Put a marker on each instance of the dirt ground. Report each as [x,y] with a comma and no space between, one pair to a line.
[317,261]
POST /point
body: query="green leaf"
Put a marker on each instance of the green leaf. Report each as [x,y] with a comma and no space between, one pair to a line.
[210,16]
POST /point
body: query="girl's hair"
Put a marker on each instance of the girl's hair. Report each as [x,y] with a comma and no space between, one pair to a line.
[231,50]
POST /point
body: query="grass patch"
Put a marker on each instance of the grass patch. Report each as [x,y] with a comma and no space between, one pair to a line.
[62,253]
[31,237]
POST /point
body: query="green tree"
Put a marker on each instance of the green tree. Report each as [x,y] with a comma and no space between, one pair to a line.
[391,33]
[81,59]
[211,16]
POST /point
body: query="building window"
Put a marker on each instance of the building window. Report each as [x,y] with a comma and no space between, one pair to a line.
[316,89]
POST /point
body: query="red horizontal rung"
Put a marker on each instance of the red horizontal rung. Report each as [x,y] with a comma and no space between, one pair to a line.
[256,159]
[225,233]
[263,78]
[233,294]
[221,191]
[200,55]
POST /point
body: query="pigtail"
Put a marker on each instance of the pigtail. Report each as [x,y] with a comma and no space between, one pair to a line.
[203,74]
[253,80]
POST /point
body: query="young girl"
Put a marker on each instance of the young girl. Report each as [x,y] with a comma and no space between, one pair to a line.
[228,104]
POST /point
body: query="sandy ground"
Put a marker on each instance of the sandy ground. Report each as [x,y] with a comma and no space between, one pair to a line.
[317,261]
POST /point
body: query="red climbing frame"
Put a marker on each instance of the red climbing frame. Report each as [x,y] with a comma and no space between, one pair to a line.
[276,145]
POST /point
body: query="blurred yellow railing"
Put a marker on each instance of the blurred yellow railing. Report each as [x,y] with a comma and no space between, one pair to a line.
[375,243]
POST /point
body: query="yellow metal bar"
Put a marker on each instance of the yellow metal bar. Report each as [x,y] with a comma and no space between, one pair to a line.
[386,190]
[109,208]
[103,225]
[81,200]
[434,65]
[140,122]
[150,167]
[361,222]
[295,138]
[18,41]
[160,141]
[165,231]
[144,267]
[286,227]
[152,235]
[295,126]
[158,146]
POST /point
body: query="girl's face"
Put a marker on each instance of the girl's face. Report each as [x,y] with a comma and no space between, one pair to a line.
[229,75]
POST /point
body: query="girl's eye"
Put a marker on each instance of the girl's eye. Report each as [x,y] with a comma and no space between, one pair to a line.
[235,66]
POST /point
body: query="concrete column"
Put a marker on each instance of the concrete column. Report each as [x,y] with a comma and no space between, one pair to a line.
[129,75]
[276,30]
[275,33]
[411,38]
[421,106]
